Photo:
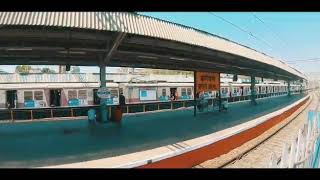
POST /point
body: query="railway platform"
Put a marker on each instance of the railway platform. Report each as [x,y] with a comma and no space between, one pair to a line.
[39,144]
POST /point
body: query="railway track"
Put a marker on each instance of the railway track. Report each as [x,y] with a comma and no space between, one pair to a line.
[259,156]
[257,152]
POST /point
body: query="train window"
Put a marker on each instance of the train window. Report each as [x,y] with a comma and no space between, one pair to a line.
[82,94]
[189,91]
[224,90]
[72,94]
[183,91]
[164,92]
[114,93]
[38,95]
[245,90]
[28,95]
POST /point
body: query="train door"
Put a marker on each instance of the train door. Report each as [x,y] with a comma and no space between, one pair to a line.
[267,90]
[11,99]
[173,93]
[55,97]
[241,91]
[96,99]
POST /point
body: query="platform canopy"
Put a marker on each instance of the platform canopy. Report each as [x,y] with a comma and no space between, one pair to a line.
[127,40]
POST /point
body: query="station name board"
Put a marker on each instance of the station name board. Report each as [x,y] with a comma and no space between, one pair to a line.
[207,81]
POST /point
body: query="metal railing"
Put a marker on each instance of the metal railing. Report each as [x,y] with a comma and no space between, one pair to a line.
[17,114]
[21,114]
[304,151]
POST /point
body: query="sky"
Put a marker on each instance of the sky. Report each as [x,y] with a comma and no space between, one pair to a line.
[289,36]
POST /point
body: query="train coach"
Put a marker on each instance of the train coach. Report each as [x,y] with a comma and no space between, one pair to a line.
[82,94]
[52,94]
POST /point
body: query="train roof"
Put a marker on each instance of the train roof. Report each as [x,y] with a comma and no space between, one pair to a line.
[248,84]
[55,85]
[157,84]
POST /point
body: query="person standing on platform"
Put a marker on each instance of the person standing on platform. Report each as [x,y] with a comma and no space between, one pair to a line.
[118,112]
[176,95]
[172,97]
[122,100]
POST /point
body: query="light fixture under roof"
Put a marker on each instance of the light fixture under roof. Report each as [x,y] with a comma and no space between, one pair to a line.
[148,57]
[179,59]
[72,52]
[38,61]
[19,49]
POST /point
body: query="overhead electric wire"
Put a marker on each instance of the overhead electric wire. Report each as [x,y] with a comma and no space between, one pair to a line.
[276,35]
[241,29]
[305,60]
[269,28]
[284,44]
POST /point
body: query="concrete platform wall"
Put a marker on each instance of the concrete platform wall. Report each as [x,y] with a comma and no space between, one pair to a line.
[197,156]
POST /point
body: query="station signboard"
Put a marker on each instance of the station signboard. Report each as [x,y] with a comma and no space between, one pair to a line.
[103,93]
[206,82]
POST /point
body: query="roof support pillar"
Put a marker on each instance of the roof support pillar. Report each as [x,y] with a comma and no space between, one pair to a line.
[195,93]
[253,90]
[103,80]
[289,91]
[103,105]
[219,99]
[114,47]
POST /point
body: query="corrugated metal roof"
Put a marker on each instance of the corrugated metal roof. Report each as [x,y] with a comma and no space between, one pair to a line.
[141,25]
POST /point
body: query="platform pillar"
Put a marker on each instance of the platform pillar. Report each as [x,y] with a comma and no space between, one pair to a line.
[194,93]
[103,105]
[253,91]
[289,92]
[219,99]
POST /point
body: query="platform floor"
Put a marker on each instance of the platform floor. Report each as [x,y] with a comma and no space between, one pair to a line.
[51,143]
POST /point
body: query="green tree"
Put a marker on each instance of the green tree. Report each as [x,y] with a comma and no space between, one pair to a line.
[23,69]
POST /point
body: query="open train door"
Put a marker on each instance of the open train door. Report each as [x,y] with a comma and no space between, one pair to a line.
[11,99]
[55,97]
[173,92]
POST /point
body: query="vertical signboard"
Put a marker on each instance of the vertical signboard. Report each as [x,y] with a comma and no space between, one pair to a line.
[206,82]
